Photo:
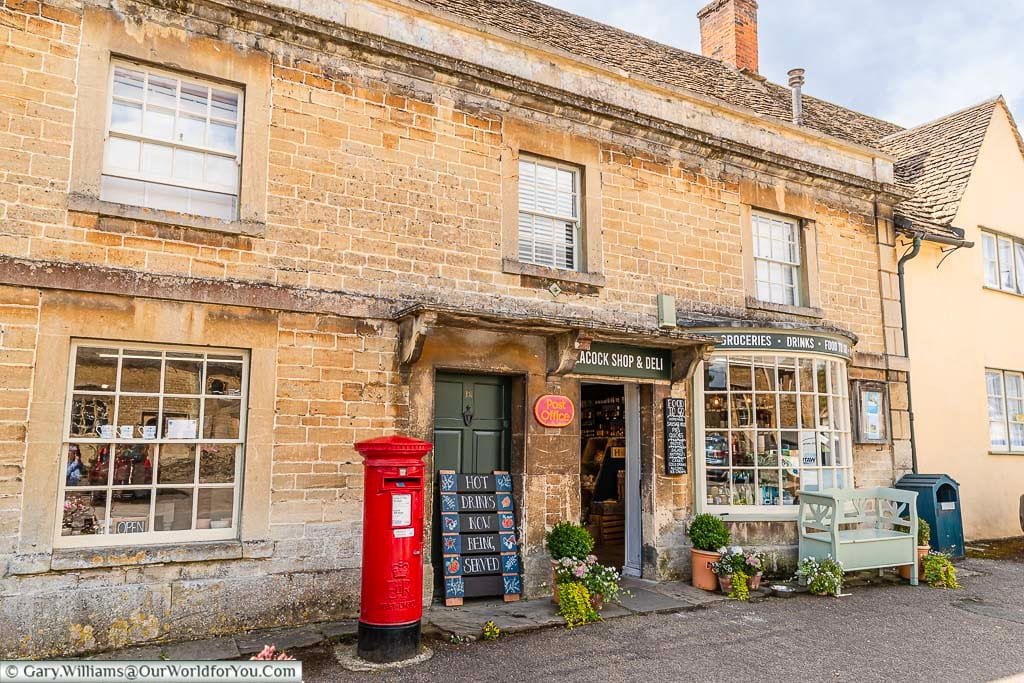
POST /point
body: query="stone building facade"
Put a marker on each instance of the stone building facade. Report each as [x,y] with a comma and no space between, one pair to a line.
[372,250]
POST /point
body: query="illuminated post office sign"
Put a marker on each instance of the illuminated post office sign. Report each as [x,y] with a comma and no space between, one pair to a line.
[554,411]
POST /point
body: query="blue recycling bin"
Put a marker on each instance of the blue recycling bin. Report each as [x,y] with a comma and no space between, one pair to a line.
[938,503]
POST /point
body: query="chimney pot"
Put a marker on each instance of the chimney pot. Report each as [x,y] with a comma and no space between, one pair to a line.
[728,32]
[796,82]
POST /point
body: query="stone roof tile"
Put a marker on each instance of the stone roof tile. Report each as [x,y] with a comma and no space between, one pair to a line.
[663,64]
[936,159]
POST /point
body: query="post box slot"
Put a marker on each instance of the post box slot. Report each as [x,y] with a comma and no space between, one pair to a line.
[399,483]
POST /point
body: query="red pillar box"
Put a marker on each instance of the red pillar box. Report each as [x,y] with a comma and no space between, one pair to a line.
[392,580]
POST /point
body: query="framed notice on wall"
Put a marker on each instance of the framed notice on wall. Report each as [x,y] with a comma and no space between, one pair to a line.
[871,412]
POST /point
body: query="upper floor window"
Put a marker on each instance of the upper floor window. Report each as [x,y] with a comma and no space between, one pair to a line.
[1005,410]
[777,260]
[172,143]
[152,444]
[549,214]
[1004,262]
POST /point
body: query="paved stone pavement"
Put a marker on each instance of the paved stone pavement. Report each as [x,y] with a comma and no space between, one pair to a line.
[882,632]
[641,597]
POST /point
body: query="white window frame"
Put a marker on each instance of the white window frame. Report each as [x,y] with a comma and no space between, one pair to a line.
[769,271]
[573,223]
[837,396]
[994,242]
[1008,420]
[151,537]
[109,168]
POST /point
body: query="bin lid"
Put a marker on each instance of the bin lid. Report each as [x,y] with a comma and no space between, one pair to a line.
[925,481]
[392,447]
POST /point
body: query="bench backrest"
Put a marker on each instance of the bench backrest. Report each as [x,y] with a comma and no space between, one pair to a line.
[832,510]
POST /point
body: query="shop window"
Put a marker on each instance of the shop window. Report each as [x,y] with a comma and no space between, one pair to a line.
[1003,257]
[550,229]
[1005,411]
[153,444]
[773,425]
[777,259]
[173,143]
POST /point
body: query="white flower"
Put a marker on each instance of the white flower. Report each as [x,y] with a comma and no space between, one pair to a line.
[723,550]
[736,550]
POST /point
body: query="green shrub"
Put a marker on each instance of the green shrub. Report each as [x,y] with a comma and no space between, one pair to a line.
[574,605]
[924,532]
[567,539]
[708,532]
[939,572]
[740,590]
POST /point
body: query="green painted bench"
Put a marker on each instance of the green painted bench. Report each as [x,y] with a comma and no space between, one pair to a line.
[870,528]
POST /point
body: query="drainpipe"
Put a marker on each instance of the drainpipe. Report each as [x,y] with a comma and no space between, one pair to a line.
[914,250]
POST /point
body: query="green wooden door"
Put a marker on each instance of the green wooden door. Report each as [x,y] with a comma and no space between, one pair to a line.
[472,423]
[472,434]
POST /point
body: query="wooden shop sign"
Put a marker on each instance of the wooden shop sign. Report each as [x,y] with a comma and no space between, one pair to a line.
[616,360]
[480,553]
[554,411]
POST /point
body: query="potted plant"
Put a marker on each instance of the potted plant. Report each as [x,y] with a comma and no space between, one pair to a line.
[566,540]
[602,582]
[739,572]
[924,536]
[707,534]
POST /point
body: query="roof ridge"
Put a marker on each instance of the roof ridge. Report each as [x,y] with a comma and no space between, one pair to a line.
[662,64]
[934,122]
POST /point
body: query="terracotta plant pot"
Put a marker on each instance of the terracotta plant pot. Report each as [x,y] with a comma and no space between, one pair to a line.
[725,584]
[597,601]
[700,562]
[754,582]
[904,570]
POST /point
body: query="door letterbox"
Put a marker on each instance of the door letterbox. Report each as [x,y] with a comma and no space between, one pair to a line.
[392,572]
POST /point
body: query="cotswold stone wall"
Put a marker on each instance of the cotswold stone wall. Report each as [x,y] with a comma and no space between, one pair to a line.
[386,186]
[318,384]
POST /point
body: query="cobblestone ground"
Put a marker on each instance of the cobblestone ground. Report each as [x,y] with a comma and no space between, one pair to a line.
[878,633]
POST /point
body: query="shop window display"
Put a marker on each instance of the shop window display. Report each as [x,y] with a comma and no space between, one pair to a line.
[153,444]
[772,426]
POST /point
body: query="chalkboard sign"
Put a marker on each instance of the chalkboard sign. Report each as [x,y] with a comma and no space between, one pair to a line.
[675,436]
[478,537]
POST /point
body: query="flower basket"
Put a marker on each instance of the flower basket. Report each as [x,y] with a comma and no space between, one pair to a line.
[600,581]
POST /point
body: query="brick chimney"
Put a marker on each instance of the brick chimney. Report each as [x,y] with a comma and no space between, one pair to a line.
[728,32]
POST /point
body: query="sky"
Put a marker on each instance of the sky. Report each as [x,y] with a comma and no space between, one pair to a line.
[905,61]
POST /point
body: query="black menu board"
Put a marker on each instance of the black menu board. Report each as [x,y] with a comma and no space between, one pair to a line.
[478,536]
[675,436]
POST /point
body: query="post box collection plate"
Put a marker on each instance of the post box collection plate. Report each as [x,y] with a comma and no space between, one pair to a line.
[480,553]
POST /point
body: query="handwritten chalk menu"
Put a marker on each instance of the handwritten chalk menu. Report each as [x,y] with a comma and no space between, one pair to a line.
[478,536]
[675,436]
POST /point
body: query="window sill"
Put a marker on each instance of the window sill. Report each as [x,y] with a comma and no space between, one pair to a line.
[515,267]
[757,516]
[1003,291]
[101,208]
[65,559]
[1017,453]
[803,311]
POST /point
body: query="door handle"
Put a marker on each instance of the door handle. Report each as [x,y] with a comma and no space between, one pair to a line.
[467,415]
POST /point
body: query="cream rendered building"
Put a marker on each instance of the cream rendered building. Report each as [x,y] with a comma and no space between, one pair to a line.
[965,310]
